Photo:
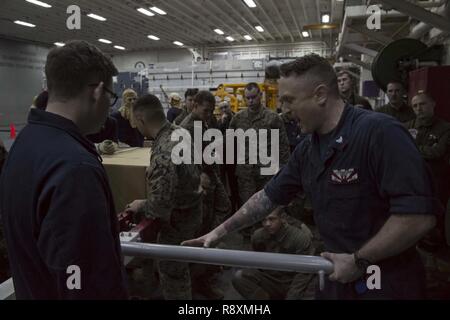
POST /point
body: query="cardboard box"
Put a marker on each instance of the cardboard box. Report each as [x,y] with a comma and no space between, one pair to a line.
[126,170]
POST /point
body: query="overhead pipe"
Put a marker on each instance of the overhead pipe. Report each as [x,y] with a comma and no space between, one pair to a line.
[420,29]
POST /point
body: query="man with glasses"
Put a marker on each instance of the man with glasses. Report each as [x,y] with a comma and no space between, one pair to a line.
[107,139]
[127,129]
[57,208]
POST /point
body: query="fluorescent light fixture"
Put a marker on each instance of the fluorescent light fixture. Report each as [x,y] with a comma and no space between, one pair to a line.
[158,10]
[250,3]
[178,43]
[247,37]
[305,34]
[96,17]
[230,38]
[325,18]
[105,41]
[259,28]
[26,24]
[218,31]
[119,48]
[153,37]
[39,3]
[146,12]
[59,44]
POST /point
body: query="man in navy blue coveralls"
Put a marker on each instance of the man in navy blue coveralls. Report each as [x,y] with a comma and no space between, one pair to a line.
[371,191]
[55,201]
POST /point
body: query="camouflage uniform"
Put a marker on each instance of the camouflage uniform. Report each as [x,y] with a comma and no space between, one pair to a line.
[356,100]
[432,137]
[255,284]
[248,176]
[216,203]
[173,197]
[404,114]
[216,208]
[4,273]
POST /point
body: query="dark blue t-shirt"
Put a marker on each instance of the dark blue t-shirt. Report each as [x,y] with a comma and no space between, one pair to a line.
[172,113]
[127,134]
[108,131]
[58,211]
[371,169]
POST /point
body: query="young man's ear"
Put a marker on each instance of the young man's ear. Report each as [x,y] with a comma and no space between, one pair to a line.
[98,91]
[321,94]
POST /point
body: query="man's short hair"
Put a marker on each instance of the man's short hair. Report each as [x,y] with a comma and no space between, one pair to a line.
[251,86]
[190,92]
[423,93]
[342,72]
[151,107]
[314,66]
[70,68]
[205,96]
[396,82]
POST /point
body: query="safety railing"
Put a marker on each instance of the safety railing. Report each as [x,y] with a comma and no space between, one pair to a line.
[225,257]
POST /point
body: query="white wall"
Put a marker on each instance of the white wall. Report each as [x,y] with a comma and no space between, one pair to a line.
[21,79]
[127,61]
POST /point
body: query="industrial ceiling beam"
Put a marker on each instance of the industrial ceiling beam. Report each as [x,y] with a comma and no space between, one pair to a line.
[271,22]
[237,13]
[319,16]
[257,20]
[200,30]
[378,37]
[233,21]
[419,13]
[294,18]
[189,12]
[282,20]
[361,49]
[358,62]
[164,32]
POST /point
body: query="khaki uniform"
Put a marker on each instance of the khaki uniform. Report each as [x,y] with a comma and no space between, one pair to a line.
[174,198]
[269,284]
[404,114]
[248,175]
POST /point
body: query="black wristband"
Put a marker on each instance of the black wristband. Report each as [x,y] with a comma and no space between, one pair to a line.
[361,263]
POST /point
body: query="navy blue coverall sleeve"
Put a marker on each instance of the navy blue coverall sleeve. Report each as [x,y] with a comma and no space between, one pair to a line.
[77,230]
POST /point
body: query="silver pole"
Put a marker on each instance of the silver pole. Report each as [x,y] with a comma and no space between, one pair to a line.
[234,258]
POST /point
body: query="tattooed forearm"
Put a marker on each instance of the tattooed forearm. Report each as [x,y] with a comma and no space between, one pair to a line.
[253,211]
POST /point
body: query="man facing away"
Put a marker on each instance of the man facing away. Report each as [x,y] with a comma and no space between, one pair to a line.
[57,208]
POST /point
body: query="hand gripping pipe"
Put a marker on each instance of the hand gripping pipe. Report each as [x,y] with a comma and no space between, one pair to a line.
[233,258]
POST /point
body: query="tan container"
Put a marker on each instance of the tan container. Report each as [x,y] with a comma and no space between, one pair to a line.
[126,170]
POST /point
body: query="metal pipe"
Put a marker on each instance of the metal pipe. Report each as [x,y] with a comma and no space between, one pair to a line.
[234,258]
[419,13]
[420,29]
